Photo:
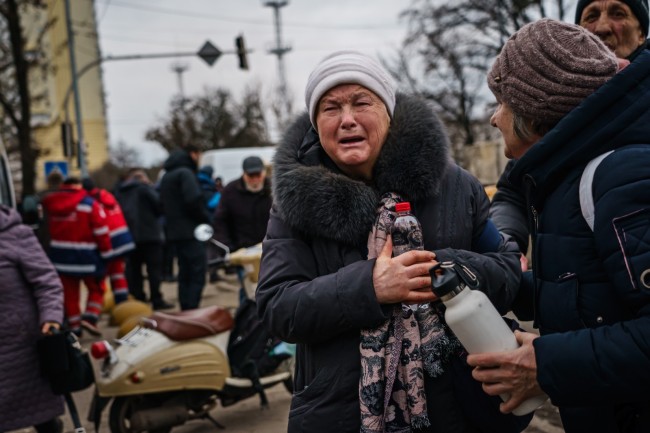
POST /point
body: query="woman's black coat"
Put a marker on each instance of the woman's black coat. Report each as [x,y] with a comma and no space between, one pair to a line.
[315,285]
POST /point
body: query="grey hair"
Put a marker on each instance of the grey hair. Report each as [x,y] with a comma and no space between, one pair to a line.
[526,128]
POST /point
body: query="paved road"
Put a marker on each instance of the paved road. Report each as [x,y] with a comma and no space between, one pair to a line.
[247,416]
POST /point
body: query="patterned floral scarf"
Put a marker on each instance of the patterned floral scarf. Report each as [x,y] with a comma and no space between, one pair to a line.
[395,355]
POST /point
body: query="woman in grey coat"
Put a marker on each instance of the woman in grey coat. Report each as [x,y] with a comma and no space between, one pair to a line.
[328,281]
[32,302]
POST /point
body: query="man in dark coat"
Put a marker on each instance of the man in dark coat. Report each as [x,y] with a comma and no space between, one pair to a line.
[243,211]
[184,209]
[320,288]
[142,209]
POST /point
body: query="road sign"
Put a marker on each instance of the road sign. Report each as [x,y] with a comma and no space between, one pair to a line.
[209,53]
[60,166]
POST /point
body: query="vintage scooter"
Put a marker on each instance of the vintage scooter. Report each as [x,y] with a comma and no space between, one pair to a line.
[173,368]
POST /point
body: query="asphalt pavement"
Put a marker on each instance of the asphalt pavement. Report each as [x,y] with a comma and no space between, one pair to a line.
[245,416]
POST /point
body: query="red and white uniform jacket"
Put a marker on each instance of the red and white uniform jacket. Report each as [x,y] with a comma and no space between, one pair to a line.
[79,235]
[121,239]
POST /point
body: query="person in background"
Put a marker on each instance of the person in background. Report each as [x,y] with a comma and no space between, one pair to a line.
[218,184]
[623,26]
[142,209]
[169,252]
[184,209]
[121,239]
[212,197]
[169,255]
[243,212]
[563,101]
[209,188]
[79,247]
[32,212]
[32,303]
[328,281]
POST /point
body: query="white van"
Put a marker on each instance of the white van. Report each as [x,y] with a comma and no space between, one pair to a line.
[227,163]
[7,196]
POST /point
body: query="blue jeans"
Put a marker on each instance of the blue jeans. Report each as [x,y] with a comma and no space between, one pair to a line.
[191,272]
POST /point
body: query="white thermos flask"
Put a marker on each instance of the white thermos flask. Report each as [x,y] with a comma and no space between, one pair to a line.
[476,322]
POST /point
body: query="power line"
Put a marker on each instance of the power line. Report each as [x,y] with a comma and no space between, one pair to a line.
[230,19]
[108,3]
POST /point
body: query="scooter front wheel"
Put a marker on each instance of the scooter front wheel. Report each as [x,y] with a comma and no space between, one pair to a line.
[123,408]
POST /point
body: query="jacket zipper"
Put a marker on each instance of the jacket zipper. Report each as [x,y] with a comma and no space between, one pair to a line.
[529,188]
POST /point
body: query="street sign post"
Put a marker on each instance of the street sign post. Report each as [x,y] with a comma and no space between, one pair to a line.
[209,53]
[61,166]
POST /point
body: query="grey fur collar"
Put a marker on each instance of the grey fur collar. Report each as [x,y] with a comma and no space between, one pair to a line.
[316,199]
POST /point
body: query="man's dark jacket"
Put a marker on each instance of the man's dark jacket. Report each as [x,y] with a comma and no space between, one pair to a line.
[592,289]
[142,210]
[316,285]
[181,197]
[241,217]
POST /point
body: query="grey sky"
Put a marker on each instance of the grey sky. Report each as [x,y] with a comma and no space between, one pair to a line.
[138,92]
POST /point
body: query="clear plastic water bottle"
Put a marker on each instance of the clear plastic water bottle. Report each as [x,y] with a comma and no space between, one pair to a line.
[407,235]
[407,231]
[476,322]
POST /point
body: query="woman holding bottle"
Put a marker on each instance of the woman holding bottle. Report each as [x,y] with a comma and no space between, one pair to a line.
[328,281]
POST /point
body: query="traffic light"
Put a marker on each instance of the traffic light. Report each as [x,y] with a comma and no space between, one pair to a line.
[241,52]
[66,138]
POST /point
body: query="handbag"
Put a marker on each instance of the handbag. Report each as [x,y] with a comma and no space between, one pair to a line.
[66,366]
[64,363]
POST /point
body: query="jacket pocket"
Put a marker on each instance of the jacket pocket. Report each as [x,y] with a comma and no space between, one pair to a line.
[303,400]
[633,233]
[558,304]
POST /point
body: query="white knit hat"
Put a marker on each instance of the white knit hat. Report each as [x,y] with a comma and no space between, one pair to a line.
[348,67]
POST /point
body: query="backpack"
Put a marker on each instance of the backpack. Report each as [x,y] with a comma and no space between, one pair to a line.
[252,351]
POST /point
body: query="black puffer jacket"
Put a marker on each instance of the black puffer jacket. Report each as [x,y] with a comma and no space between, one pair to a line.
[181,197]
[315,284]
[592,289]
[142,210]
[508,209]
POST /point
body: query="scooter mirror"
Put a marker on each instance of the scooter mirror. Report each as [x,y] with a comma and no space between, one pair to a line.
[203,232]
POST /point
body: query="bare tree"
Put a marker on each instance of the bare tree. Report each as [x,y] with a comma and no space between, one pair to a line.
[213,120]
[282,108]
[15,96]
[449,48]
[124,157]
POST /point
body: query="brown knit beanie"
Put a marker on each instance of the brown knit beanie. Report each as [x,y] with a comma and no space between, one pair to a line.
[548,67]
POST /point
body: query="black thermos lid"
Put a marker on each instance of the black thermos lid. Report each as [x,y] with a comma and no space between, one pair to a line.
[445,282]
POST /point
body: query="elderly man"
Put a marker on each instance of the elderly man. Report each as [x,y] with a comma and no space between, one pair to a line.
[623,27]
[243,211]
[328,281]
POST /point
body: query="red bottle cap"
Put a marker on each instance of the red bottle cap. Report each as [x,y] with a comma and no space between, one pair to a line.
[403,207]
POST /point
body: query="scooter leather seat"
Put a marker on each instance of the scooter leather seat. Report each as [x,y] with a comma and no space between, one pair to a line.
[191,324]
